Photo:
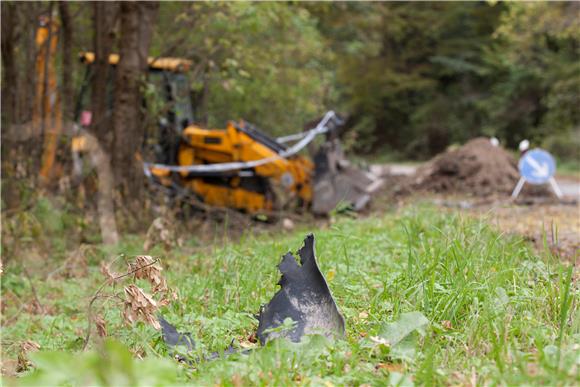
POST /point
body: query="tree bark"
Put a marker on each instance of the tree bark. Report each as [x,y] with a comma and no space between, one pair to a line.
[105,203]
[137,21]
[67,65]
[104,14]
[9,79]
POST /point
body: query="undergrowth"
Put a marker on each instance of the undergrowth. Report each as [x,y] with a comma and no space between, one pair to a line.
[495,312]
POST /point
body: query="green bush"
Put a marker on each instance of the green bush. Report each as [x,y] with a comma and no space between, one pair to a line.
[565,146]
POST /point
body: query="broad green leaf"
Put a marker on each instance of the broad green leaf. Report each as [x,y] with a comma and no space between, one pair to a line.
[408,323]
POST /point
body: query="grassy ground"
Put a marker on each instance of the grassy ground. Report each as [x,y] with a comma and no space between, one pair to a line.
[496,311]
[569,169]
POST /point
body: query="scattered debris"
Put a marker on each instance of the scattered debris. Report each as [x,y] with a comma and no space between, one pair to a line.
[303,305]
[174,338]
[304,297]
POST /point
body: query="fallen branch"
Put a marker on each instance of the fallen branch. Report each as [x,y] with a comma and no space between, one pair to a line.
[97,296]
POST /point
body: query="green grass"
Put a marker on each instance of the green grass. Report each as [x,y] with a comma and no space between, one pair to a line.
[569,168]
[498,313]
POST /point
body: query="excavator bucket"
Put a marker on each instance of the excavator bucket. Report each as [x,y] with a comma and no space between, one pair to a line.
[337,181]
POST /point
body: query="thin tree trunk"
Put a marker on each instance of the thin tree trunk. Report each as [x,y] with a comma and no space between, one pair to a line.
[9,79]
[105,204]
[104,14]
[28,84]
[100,141]
[67,66]
[137,21]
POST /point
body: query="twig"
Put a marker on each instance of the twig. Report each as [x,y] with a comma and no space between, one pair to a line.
[9,320]
[97,295]
[32,288]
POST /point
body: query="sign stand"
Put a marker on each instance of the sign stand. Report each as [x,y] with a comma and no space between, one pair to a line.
[522,181]
[556,188]
[519,187]
[537,167]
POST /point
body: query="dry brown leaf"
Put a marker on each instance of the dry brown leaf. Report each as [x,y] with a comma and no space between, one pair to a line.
[391,367]
[29,346]
[35,307]
[101,326]
[237,380]
[140,306]
[25,348]
[146,268]
[106,271]
[9,367]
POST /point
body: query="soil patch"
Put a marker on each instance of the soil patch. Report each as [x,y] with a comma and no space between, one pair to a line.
[478,168]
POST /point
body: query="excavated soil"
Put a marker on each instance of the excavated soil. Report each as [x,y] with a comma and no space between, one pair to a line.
[478,168]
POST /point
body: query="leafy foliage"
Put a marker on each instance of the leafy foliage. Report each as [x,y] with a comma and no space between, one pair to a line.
[416,78]
[261,62]
[114,365]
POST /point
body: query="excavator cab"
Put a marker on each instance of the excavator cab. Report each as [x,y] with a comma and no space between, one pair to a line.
[167,98]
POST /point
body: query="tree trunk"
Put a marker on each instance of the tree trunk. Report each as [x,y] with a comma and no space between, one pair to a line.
[8,64]
[104,14]
[67,66]
[105,203]
[137,21]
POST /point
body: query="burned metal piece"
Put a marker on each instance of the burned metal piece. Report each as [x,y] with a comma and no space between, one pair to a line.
[304,297]
[173,338]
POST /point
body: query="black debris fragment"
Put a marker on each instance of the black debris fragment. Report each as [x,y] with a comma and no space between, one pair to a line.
[173,338]
[304,297]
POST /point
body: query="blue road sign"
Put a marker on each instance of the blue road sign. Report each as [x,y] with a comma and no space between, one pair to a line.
[537,166]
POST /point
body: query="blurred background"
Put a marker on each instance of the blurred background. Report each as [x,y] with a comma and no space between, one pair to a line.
[410,79]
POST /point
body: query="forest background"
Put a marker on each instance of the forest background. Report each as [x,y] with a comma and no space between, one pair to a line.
[412,79]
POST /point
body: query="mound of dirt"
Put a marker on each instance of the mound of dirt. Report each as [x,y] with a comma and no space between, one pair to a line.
[477,168]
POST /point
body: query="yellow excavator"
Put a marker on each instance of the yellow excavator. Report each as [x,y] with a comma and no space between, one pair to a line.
[241,167]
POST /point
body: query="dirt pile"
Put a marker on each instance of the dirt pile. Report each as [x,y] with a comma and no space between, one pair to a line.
[477,168]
